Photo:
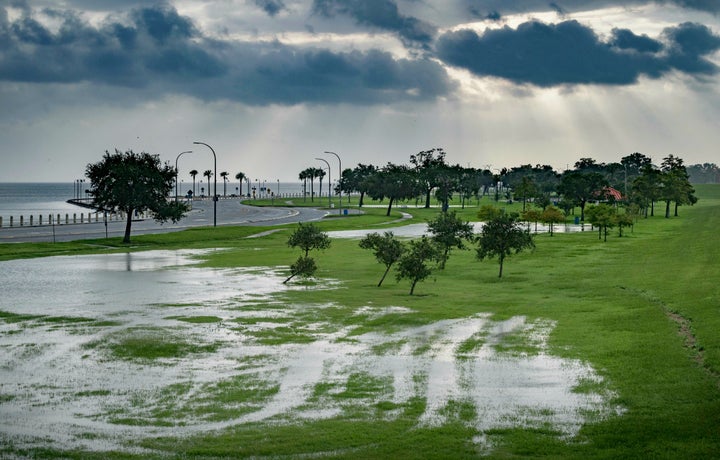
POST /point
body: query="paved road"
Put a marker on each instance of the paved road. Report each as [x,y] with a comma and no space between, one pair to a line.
[229,212]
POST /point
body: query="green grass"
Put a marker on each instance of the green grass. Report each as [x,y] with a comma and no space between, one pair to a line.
[609,301]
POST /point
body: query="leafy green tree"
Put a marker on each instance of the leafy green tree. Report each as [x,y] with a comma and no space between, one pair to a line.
[358,180]
[501,237]
[624,220]
[646,188]
[395,182]
[387,249]
[551,216]
[581,186]
[307,237]
[489,212]
[675,184]
[414,263]
[449,231]
[532,215]
[603,216]
[134,182]
[428,165]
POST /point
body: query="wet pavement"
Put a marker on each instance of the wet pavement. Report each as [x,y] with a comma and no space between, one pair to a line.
[229,212]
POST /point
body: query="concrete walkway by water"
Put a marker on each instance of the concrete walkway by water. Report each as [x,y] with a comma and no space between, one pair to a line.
[229,212]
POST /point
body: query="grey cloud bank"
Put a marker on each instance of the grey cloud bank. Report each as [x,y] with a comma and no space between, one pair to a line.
[272,82]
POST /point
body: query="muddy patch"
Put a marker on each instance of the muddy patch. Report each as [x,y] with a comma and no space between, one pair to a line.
[207,349]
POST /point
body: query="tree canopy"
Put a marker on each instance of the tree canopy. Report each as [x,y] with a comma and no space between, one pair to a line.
[134,182]
[501,237]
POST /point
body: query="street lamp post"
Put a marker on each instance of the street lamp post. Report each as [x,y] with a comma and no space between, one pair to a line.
[176,172]
[214,185]
[339,175]
[329,181]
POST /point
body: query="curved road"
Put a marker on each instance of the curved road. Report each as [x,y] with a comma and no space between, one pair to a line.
[229,212]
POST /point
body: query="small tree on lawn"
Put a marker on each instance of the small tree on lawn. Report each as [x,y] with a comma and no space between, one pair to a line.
[624,220]
[449,231]
[134,182]
[602,216]
[414,264]
[307,237]
[551,216]
[386,248]
[532,215]
[502,236]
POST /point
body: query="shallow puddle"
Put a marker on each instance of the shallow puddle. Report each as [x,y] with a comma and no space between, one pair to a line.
[90,385]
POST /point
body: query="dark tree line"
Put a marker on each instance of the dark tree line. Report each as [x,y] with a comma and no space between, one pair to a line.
[634,180]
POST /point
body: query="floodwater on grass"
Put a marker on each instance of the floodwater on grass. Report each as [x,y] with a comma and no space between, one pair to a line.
[96,384]
[417,230]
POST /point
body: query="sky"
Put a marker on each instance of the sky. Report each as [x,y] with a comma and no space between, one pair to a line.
[271,85]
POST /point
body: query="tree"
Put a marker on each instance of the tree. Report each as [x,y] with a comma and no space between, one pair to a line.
[428,165]
[208,173]
[386,248]
[551,216]
[603,216]
[622,221]
[395,182]
[194,173]
[489,212]
[224,176]
[413,264]
[532,215]
[320,174]
[646,188]
[307,237]
[675,184]
[581,186]
[502,236]
[449,231]
[134,182]
[357,180]
[240,177]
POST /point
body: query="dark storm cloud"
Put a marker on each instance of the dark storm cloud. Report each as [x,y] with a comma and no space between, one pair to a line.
[382,14]
[570,53]
[161,52]
[271,7]
[480,8]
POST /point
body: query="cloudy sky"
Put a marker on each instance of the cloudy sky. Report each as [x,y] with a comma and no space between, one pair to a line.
[272,84]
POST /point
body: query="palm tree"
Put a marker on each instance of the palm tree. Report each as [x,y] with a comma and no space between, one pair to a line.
[240,176]
[208,173]
[194,173]
[320,173]
[303,176]
[224,175]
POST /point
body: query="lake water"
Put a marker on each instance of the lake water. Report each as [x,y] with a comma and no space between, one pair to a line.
[26,199]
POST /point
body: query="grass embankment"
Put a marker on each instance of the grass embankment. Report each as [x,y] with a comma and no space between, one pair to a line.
[643,310]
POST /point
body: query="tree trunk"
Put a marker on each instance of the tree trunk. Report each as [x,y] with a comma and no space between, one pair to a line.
[389,207]
[362,196]
[502,259]
[676,209]
[387,270]
[128,225]
[412,287]
[667,209]
[427,198]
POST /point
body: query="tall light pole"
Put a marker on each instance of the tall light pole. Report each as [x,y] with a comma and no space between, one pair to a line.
[329,181]
[176,172]
[215,185]
[339,175]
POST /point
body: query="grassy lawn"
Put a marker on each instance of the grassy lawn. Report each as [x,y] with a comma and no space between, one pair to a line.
[643,310]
